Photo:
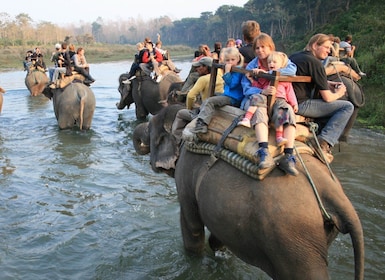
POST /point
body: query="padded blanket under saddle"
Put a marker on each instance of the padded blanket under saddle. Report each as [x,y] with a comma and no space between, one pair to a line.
[242,140]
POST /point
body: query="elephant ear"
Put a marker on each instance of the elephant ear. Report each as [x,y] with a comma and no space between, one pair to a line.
[48,92]
[163,145]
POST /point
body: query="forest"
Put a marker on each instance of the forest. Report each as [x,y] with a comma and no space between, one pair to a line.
[290,23]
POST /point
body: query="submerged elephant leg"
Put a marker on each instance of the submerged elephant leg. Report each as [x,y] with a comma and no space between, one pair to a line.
[345,134]
[215,243]
[193,233]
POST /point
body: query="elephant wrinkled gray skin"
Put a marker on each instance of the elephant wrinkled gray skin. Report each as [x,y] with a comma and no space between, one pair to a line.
[36,81]
[275,224]
[149,96]
[74,105]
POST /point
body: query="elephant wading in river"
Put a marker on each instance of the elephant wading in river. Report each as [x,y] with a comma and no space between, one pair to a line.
[276,224]
[74,105]
[149,96]
[36,81]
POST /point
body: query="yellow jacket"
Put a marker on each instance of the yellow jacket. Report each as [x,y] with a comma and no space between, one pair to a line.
[201,87]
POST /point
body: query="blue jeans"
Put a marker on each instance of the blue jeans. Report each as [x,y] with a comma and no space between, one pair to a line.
[338,112]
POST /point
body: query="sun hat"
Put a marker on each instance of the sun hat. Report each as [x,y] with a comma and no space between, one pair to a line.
[207,61]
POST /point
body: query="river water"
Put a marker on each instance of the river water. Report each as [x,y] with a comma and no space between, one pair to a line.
[84,205]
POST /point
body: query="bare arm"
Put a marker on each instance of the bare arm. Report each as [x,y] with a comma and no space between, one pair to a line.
[336,91]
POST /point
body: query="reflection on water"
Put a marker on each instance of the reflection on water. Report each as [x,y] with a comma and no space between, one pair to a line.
[84,205]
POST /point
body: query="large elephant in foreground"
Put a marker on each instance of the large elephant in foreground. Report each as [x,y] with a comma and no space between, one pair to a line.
[276,224]
[36,81]
[148,95]
[74,105]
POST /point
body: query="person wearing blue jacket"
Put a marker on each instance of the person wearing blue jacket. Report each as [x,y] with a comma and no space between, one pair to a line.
[233,92]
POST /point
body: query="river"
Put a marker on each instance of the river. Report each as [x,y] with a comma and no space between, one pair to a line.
[84,205]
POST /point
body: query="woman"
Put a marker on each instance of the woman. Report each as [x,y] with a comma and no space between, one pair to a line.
[263,46]
[81,66]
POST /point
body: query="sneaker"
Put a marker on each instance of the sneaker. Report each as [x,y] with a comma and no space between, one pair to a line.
[177,70]
[159,78]
[281,141]
[287,164]
[362,74]
[245,122]
[200,127]
[264,158]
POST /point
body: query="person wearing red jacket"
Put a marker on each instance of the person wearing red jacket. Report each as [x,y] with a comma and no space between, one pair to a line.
[151,60]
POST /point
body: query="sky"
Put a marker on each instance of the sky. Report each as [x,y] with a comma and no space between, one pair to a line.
[75,11]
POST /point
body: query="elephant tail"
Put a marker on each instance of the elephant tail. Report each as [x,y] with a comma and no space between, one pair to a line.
[82,101]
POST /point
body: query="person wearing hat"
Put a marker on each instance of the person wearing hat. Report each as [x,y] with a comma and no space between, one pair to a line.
[201,87]
[55,59]
[238,43]
[200,90]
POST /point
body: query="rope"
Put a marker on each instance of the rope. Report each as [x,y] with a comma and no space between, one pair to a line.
[313,127]
[225,134]
[325,214]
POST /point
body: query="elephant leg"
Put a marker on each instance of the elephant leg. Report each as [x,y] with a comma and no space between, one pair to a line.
[345,134]
[140,111]
[193,232]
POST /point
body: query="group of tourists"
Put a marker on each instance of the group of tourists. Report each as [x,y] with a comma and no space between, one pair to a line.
[65,61]
[34,61]
[149,59]
[317,99]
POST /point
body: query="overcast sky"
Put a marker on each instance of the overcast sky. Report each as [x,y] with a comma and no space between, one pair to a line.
[74,11]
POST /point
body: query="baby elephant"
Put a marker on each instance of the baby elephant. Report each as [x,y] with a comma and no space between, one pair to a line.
[74,105]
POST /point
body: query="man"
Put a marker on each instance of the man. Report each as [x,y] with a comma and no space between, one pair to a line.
[250,30]
[319,98]
[201,87]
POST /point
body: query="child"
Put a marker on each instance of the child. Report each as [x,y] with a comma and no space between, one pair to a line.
[283,115]
[232,94]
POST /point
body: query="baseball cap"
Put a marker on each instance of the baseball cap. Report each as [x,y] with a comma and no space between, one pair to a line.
[58,46]
[238,41]
[207,61]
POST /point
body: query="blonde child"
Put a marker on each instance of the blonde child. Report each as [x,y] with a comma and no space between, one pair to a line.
[283,114]
[232,95]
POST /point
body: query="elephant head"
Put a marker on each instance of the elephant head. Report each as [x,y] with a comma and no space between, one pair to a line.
[148,95]
[36,81]
[282,224]
[73,105]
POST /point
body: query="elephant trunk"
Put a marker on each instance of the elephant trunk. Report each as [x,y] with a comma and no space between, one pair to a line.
[357,237]
[351,224]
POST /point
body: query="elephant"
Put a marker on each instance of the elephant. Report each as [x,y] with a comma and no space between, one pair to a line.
[74,105]
[36,81]
[149,96]
[276,224]
[2,91]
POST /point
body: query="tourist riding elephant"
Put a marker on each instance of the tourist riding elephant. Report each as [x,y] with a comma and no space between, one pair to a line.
[276,224]
[36,81]
[74,105]
[148,95]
